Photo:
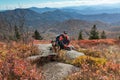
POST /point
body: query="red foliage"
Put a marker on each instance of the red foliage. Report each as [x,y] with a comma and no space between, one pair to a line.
[102,41]
[13,67]
[109,71]
[89,43]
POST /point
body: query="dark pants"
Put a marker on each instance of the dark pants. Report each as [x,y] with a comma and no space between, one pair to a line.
[63,43]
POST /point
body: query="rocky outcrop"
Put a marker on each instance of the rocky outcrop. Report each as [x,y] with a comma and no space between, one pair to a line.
[46,52]
[54,70]
[57,71]
[73,54]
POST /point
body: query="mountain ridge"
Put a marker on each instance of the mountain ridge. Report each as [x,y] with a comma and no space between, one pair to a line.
[57,20]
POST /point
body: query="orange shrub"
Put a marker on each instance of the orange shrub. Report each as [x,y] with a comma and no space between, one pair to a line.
[13,67]
[90,52]
[109,71]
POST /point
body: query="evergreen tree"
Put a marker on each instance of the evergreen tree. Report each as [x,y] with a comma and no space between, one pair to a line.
[37,35]
[17,34]
[103,35]
[94,33]
[119,37]
[80,36]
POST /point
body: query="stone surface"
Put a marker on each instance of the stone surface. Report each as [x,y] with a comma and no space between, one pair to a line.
[45,51]
[57,71]
[73,54]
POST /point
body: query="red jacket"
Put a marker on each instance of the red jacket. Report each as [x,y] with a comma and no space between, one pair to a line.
[65,36]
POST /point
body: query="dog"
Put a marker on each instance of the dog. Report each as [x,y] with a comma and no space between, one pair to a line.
[55,47]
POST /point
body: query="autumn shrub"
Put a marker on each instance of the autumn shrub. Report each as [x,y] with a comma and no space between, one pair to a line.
[28,50]
[89,52]
[89,60]
[23,50]
[13,66]
[63,58]
[100,63]
[61,55]
[109,71]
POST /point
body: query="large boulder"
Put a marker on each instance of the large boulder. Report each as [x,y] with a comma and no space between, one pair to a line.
[57,71]
[46,52]
[73,54]
[45,49]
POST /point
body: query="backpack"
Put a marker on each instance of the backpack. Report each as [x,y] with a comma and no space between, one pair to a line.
[57,38]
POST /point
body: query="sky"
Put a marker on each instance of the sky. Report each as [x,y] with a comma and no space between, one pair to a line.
[11,4]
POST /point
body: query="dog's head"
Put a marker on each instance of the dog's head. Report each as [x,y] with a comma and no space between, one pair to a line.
[53,43]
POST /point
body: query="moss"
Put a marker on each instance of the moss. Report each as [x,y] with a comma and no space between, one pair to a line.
[88,60]
[90,52]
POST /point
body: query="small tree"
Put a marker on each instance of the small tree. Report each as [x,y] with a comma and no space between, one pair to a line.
[103,35]
[17,34]
[94,33]
[37,35]
[119,37]
[80,37]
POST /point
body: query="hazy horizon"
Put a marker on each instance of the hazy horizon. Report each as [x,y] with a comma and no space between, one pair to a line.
[10,4]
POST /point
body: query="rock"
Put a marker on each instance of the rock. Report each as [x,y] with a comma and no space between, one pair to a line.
[73,54]
[46,52]
[57,71]
[45,49]
[34,58]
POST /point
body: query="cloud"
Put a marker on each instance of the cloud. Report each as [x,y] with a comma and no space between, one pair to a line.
[64,3]
[77,3]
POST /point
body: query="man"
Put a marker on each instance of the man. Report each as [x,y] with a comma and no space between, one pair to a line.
[63,40]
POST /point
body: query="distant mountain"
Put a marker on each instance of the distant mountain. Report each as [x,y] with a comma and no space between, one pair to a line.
[58,20]
[61,15]
[95,9]
[15,16]
[105,13]
[73,26]
[53,14]
[109,18]
[42,10]
[116,23]
[115,28]
[85,10]
[58,15]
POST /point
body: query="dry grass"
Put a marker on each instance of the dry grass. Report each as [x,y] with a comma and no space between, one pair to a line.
[108,49]
[104,53]
[41,42]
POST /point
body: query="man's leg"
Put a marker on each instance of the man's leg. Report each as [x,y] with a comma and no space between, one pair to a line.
[61,45]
